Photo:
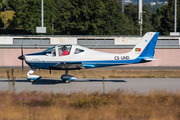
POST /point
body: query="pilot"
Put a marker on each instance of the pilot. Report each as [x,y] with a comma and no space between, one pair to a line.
[65,52]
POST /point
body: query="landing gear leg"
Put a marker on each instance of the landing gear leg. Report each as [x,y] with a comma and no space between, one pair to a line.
[32,78]
[67,78]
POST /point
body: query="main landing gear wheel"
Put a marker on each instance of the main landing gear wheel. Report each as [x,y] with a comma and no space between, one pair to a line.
[65,81]
[67,78]
[32,81]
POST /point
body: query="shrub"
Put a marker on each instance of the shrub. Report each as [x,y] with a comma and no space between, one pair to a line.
[90,101]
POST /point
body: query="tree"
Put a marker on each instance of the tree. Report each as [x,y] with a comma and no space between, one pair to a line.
[168,21]
[3,7]
[178,16]
[131,11]
[164,18]
[91,17]
[3,4]
[147,20]
[7,17]
[28,14]
[158,18]
[115,21]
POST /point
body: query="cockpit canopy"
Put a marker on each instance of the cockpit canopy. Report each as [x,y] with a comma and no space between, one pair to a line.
[61,48]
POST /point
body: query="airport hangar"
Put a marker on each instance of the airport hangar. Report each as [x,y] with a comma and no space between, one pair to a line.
[167,48]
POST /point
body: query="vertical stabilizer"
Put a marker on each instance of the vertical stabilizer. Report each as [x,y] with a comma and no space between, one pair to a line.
[150,48]
[146,46]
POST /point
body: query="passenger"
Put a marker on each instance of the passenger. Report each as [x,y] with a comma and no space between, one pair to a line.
[65,52]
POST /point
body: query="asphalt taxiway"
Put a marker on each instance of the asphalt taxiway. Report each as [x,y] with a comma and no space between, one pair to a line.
[142,85]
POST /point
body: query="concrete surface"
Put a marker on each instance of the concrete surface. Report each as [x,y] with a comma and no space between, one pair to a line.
[142,85]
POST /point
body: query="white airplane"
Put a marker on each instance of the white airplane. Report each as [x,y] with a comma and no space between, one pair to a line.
[71,57]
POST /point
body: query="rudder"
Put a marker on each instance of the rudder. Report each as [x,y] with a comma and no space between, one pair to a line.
[149,49]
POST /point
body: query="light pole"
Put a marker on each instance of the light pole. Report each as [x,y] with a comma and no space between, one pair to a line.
[175,16]
[140,16]
[140,31]
[41,29]
[175,33]
[42,14]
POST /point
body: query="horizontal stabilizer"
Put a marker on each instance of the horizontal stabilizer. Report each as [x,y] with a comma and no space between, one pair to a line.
[149,58]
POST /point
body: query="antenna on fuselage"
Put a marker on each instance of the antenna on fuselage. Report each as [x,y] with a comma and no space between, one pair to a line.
[96,45]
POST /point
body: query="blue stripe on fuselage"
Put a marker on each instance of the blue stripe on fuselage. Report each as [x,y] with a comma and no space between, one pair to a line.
[93,64]
[41,65]
[86,64]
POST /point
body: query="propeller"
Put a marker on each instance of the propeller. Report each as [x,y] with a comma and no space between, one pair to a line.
[22,58]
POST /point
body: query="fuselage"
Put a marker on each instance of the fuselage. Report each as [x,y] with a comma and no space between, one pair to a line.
[79,57]
[71,57]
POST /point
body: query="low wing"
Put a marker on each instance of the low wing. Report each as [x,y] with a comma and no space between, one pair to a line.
[67,66]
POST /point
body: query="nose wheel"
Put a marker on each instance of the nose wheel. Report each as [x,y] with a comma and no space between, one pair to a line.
[32,78]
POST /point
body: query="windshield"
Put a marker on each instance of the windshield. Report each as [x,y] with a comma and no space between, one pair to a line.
[49,50]
[62,50]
